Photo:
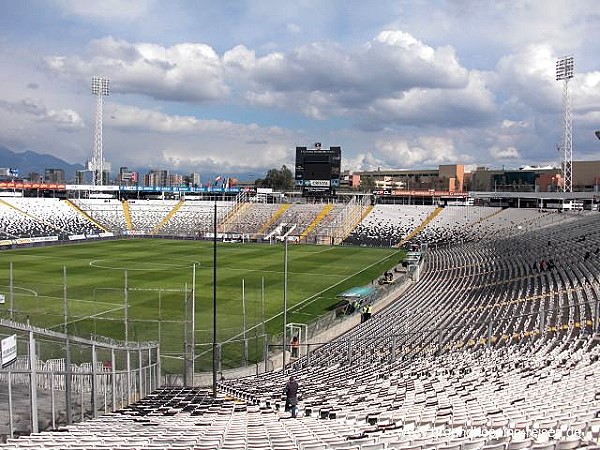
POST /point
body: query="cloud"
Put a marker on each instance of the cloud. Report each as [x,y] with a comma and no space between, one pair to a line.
[184,72]
[322,79]
[294,28]
[512,124]
[421,151]
[361,161]
[505,153]
[185,141]
[530,101]
[557,22]
[61,119]
[469,106]
[389,83]
[237,87]
[585,89]
[135,118]
[393,71]
[125,10]
[239,57]
[527,78]
[413,63]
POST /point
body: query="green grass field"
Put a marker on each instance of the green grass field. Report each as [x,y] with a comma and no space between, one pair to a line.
[155,279]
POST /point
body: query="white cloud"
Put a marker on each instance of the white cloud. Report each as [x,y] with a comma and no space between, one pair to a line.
[409,79]
[131,117]
[223,86]
[239,57]
[185,72]
[528,78]
[266,99]
[590,119]
[509,152]
[422,151]
[107,9]
[184,141]
[61,119]
[585,91]
[294,28]
[490,29]
[512,124]
[469,106]
[361,161]
[325,80]
[558,22]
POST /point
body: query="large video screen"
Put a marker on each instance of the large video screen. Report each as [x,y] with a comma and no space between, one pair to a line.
[318,170]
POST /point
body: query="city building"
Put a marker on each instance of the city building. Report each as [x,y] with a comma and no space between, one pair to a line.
[127,177]
[193,179]
[586,177]
[447,177]
[157,177]
[54,175]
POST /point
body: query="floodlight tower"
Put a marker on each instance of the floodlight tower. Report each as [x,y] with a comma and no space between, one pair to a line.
[96,165]
[564,72]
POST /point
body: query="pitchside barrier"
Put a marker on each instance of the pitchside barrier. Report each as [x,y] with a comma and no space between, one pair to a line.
[329,326]
[55,379]
[257,352]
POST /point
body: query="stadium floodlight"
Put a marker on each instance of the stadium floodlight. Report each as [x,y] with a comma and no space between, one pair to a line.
[564,72]
[100,85]
[100,88]
[565,68]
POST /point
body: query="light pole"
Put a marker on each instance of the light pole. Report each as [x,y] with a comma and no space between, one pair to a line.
[214,343]
[285,276]
[564,72]
[96,165]
[597,133]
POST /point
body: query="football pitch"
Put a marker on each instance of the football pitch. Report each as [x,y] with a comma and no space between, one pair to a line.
[151,290]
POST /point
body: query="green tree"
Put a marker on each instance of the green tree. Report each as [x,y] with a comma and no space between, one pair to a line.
[367,184]
[277,179]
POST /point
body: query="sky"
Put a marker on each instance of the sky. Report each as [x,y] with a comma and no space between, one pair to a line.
[231,87]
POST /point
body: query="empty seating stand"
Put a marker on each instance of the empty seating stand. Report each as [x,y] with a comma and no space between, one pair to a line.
[490,349]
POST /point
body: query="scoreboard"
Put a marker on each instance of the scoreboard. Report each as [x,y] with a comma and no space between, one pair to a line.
[318,170]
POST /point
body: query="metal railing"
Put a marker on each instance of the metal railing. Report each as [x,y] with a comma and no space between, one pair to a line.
[257,352]
[57,379]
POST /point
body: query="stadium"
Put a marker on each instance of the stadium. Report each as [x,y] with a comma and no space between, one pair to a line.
[138,323]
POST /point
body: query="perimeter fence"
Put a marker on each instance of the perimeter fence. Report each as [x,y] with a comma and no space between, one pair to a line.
[257,351]
[54,379]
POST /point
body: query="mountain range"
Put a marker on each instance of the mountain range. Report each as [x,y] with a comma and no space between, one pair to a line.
[32,162]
